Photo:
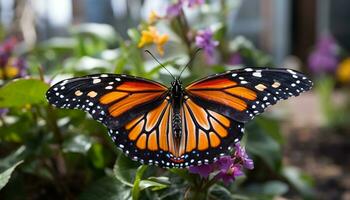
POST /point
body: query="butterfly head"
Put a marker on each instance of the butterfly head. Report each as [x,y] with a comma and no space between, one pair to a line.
[176,87]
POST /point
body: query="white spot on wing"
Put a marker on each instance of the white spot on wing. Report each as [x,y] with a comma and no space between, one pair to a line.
[97,80]
[291,71]
[257,74]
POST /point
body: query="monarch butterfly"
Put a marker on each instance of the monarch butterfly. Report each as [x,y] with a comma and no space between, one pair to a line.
[177,126]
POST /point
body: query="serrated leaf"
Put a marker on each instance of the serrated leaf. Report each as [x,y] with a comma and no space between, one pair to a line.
[22,92]
[6,175]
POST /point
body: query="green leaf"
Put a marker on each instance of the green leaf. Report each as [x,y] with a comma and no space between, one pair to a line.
[77,144]
[154,186]
[264,146]
[183,173]
[271,188]
[134,35]
[300,181]
[271,127]
[136,188]
[124,169]
[218,192]
[102,31]
[59,44]
[107,188]
[96,155]
[21,92]
[6,175]
[12,158]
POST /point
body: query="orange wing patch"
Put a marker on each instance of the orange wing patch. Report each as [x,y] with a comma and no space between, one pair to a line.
[150,131]
[141,142]
[202,128]
[112,96]
[223,91]
[221,97]
[131,94]
[190,130]
[214,140]
[242,92]
[212,84]
[131,86]
[203,140]
[200,113]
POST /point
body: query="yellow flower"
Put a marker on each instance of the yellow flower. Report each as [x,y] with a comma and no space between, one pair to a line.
[10,70]
[343,71]
[152,36]
[153,17]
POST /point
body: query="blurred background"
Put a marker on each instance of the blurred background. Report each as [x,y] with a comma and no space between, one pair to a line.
[55,39]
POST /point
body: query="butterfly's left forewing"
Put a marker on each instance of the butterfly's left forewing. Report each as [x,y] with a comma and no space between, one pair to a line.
[110,98]
[242,94]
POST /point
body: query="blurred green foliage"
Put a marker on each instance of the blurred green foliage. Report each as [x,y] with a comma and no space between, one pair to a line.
[63,154]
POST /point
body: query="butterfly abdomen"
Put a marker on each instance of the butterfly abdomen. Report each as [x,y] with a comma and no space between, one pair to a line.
[177,125]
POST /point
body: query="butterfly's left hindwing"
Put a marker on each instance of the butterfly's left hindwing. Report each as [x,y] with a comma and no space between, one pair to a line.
[110,98]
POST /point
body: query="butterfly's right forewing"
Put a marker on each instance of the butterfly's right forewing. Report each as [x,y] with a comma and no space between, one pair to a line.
[111,99]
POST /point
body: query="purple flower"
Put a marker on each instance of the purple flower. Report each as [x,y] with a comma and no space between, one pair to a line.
[224,163]
[204,40]
[235,59]
[6,49]
[202,170]
[324,57]
[11,66]
[174,9]
[242,156]
[21,65]
[228,175]
[3,111]
[192,3]
[227,167]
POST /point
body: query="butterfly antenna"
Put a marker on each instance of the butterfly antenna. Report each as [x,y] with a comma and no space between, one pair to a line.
[159,63]
[190,62]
